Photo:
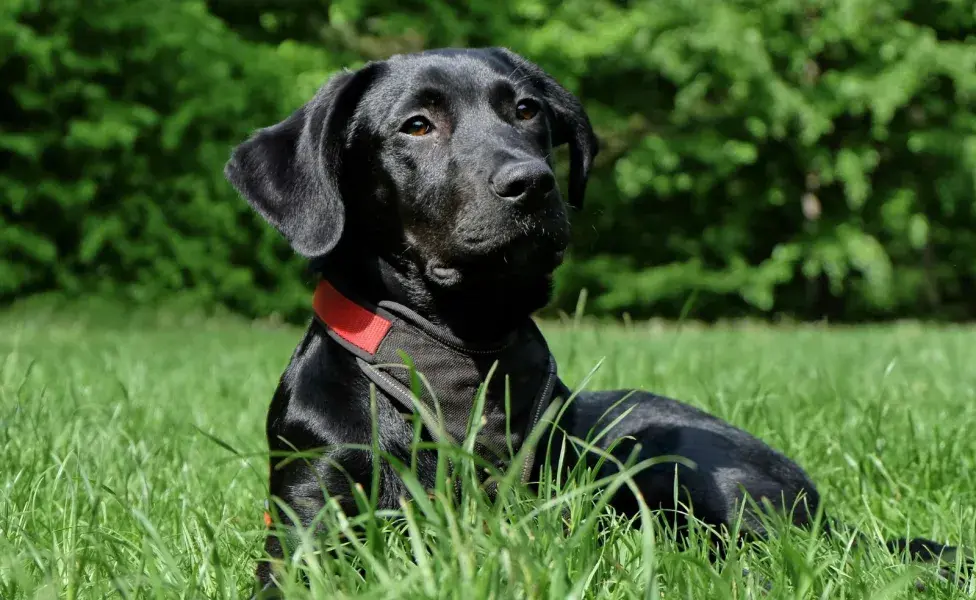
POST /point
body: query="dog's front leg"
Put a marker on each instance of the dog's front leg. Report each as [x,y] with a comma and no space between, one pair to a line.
[320,430]
[302,487]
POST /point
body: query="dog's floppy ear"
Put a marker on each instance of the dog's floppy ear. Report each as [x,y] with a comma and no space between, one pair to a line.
[289,172]
[571,125]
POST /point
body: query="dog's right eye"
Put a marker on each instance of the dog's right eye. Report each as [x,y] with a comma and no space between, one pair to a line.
[527,110]
[417,126]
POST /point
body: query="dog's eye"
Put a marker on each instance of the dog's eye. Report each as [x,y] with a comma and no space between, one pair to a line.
[417,126]
[527,109]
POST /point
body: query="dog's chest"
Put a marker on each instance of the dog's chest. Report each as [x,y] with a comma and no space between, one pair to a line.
[499,392]
[449,383]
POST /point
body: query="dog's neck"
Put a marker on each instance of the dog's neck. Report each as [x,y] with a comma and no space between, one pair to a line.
[481,317]
[390,343]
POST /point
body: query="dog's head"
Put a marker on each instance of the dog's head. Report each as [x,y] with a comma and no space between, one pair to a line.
[438,163]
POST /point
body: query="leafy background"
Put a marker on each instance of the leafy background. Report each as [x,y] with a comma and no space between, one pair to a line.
[760,158]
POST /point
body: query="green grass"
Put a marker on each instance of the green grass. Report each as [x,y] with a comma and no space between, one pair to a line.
[112,487]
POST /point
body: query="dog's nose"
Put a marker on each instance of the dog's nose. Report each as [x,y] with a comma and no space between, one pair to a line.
[523,181]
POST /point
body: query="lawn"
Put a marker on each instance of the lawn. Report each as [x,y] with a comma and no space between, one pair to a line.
[133,465]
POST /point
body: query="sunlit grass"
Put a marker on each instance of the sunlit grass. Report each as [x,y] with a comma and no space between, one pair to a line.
[113,484]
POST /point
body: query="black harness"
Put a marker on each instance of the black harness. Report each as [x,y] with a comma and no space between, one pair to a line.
[450,373]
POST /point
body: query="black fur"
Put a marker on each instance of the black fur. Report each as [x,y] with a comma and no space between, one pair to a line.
[465,226]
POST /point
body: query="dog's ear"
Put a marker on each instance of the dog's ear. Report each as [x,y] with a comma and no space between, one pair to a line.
[571,123]
[290,172]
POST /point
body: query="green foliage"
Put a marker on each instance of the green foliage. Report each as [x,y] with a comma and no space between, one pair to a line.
[810,159]
[807,158]
[117,119]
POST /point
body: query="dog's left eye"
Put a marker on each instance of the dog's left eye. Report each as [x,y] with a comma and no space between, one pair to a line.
[417,126]
[527,109]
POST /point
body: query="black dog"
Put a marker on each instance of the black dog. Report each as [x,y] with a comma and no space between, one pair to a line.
[422,191]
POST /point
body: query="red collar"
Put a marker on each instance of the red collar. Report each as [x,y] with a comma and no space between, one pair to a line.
[357,325]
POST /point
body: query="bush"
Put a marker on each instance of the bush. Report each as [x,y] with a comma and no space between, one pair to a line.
[808,159]
[117,119]
[816,159]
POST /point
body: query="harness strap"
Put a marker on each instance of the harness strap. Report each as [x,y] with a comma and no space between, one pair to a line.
[362,330]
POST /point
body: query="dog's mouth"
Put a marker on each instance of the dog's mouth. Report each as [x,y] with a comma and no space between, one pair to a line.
[492,268]
[444,276]
[493,250]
